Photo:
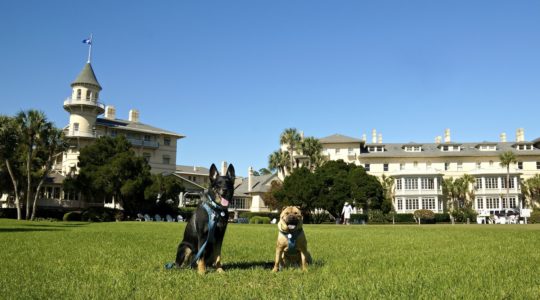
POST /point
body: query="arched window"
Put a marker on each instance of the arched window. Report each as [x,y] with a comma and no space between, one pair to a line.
[79,94]
[88,94]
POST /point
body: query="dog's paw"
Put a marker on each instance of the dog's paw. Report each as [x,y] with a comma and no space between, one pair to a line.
[220,270]
[275,269]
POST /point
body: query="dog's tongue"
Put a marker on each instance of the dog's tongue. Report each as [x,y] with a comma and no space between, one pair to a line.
[291,226]
[224,202]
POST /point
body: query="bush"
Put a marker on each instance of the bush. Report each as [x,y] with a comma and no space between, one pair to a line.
[359,218]
[119,216]
[442,218]
[535,217]
[249,215]
[259,220]
[72,216]
[376,216]
[424,216]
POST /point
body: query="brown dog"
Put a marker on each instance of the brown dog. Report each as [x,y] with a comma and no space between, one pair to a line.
[291,246]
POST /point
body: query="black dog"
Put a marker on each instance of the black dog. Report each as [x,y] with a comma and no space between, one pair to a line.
[204,233]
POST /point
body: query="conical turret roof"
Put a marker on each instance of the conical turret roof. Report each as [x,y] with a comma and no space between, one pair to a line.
[87,76]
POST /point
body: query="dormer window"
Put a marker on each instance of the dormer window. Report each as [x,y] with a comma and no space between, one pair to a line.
[413,148]
[524,147]
[376,148]
[450,148]
[488,147]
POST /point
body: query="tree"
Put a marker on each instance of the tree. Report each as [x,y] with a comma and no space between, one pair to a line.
[299,189]
[110,170]
[387,183]
[269,197]
[456,192]
[164,192]
[264,171]
[531,190]
[51,144]
[9,142]
[507,158]
[279,161]
[291,138]
[334,186]
[312,148]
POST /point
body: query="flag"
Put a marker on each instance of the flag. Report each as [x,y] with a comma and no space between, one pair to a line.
[87,41]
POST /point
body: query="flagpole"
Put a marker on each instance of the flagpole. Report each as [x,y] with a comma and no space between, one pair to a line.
[90,49]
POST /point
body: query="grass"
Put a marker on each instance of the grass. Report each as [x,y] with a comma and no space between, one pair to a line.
[69,260]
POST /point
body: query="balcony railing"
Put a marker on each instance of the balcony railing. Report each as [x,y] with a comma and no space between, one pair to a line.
[70,102]
[143,143]
[79,133]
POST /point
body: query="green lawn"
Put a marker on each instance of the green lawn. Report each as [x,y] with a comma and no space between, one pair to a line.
[125,261]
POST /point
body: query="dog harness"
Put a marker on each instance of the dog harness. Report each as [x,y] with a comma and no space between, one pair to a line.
[215,213]
[291,239]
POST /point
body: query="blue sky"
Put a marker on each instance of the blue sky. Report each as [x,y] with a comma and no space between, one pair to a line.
[231,75]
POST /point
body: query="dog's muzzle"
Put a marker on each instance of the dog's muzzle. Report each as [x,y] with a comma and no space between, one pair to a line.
[291,222]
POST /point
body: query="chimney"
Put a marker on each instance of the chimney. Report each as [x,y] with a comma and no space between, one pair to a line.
[374,136]
[522,134]
[447,135]
[194,169]
[223,168]
[110,112]
[380,138]
[438,139]
[301,135]
[503,137]
[250,178]
[364,138]
[134,115]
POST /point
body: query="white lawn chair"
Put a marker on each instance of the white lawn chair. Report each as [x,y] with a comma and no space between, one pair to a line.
[180,218]
[169,218]
[157,218]
[140,217]
[147,218]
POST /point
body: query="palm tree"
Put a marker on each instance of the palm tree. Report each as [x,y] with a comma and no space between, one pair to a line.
[264,171]
[451,192]
[291,138]
[507,158]
[312,148]
[531,190]
[52,143]
[9,139]
[467,189]
[278,161]
[31,123]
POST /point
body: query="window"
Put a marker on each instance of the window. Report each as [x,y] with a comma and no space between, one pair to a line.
[337,150]
[492,183]
[525,147]
[75,127]
[446,166]
[411,203]
[402,166]
[512,202]
[167,141]
[79,94]
[479,203]
[538,165]
[411,183]
[460,166]
[478,183]
[520,165]
[478,165]
[367,167]
[376,148]
[88,94]
[399,203]
[166,159]
[488,148]
[428,184]
[428,203]
[398,184]
[146,156]
[147,138]
[385,167]
[503,182]
[413,149]
[415,164]
[113,133]
[492,203]
[491,163]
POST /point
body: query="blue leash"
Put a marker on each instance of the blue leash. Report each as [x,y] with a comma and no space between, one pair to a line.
[291,240]
[213,217]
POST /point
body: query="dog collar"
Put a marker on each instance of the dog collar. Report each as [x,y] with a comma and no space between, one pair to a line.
[291,239]
[216,206]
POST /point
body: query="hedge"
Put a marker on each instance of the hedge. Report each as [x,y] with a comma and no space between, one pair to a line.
[259,220]
[535,217]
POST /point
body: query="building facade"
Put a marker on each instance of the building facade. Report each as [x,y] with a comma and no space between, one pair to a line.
[418,169]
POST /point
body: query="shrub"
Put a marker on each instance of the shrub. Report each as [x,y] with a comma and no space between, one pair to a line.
[376,216]
[319,218]
[259,220]
[535,217]
[72,216]
[442,218]
[249,215]
[359,218]
[119,216]
[424,216]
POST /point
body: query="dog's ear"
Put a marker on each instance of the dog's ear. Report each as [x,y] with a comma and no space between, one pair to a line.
[214,174]
[230,172]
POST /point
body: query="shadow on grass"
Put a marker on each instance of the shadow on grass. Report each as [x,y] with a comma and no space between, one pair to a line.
[29,229]
[267,265]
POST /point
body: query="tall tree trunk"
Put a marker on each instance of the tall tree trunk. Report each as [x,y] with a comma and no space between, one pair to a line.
[28,181]
[15,190]
[36,196]
[508,185]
